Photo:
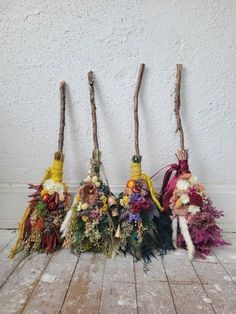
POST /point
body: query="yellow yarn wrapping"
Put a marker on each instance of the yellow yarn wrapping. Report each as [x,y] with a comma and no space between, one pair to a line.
[136,170]
[47,175]
[152,190]
[136,173]
[55,172]
[20,233]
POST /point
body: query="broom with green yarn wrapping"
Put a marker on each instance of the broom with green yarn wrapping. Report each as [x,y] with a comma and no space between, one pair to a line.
[40,224]
[89,224]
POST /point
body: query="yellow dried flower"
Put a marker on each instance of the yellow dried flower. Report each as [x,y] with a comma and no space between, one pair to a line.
[43,192]
[124,201]
[62,197]
[84,206]
[104,199]
[84,218]
[104,208]
[51,191]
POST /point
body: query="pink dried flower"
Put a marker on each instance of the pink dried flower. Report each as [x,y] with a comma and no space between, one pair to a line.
[204,231]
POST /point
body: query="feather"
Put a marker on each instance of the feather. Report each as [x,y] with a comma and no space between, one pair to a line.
[185,232]
[65,223]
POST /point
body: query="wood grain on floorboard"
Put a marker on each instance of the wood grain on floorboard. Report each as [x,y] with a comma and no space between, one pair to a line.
[91,283]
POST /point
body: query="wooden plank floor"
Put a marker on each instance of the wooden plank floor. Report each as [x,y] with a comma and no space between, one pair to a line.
[91,283]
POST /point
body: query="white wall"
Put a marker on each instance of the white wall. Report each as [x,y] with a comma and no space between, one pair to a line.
[42,42]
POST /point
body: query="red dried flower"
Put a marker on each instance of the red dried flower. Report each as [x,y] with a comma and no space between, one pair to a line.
[38,224]
[88,193]
[135,208]
[146,204]
[195,198]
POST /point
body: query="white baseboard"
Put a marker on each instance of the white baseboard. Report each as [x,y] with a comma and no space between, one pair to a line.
[13,200]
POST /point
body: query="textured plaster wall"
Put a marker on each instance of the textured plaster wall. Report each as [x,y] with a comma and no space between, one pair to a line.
[42,42]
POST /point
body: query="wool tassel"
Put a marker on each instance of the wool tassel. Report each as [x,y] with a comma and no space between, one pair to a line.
[65,223]
[186,235]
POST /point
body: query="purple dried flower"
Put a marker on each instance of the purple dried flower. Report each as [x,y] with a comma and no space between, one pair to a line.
[134,217]
[135,197]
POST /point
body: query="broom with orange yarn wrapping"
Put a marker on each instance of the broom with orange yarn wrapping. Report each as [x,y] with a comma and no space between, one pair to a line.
[40,224]
[193,214]
[143,228]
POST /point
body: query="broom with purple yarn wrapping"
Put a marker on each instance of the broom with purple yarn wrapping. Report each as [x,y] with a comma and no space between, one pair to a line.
[193,215]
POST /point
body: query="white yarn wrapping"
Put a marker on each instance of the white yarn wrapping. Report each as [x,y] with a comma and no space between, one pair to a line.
[185,232]
[187,238]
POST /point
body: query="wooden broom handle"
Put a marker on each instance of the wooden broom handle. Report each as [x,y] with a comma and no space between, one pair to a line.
[136,121]
[93,109]
[62,116]
[178,105]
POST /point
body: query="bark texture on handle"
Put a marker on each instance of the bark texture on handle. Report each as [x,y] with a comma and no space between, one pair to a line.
[93,109]
[178,104]
[136,121]
[62,116]
[182,154]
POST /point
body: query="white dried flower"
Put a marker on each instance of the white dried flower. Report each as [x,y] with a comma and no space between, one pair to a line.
[59,188]
[182,184]
[193,209]
[49,185]
[95,179]
[88,179]
[192,180]
[184,198]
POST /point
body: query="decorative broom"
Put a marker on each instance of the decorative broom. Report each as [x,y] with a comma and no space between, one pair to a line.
[39,228]
[192,210]
[142,226]
[88,225]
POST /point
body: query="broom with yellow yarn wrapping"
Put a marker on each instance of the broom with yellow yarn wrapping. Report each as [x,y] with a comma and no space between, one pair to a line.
[40,224]
[143,227]
[89,225]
